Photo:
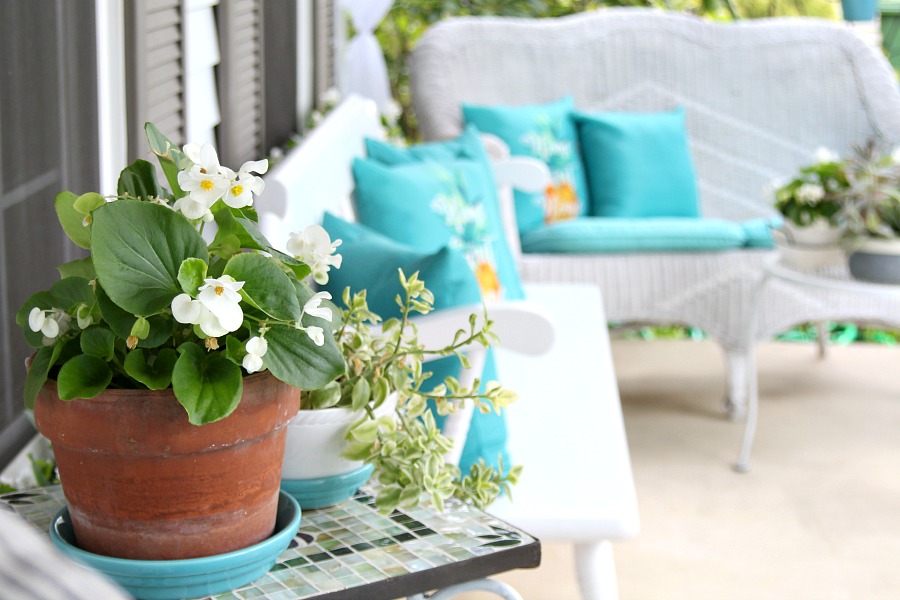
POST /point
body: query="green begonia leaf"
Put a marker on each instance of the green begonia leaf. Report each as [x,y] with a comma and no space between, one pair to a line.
[138,248]
[71,220]
[207,384]
[82,267]
[71,291]
[295,359]
[98,341]
[41,363]
[157,376]
[191,274]
[89,202]
[229,225]
[265,285]
[169,155]
[121,322]
[138,180]
[83,376]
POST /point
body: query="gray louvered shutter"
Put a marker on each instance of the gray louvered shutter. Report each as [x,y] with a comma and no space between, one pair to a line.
[48,119]
[155,71]
[241,81]
[326,54]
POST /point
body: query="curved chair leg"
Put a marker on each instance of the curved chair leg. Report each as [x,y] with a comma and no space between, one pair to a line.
[737,365]
[482,585]
[596,571]
[822,337]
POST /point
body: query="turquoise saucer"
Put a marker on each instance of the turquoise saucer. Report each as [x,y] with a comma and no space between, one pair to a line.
[188,578]
[325,491]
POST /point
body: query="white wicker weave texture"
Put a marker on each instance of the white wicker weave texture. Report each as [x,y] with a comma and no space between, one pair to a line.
[760,96]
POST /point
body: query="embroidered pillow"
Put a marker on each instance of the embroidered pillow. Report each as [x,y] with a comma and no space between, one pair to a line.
[545,132]
[428,201]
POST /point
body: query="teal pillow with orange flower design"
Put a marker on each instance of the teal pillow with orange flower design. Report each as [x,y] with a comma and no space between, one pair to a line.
[548,133]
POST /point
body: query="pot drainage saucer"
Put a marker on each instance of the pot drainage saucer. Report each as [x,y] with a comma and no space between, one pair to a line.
[325,491]
[191,577]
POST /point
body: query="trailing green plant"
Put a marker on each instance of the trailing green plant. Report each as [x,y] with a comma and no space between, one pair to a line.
[386,360]
[870,202]
[155,306]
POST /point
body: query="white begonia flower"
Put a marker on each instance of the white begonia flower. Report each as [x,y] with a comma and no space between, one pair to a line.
[204,180]
[186,310]
[313,306]
[826,155]
[40,320]
[221,300]
[392,110]
[810,193]
[331,96]
[316,334]
[244,183]
[314,247]
[256,348]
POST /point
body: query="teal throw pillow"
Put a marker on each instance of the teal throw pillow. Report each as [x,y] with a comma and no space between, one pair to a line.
[428,204]
[467,146]
[545,132]
[371,261]
[638,164]
[592,235]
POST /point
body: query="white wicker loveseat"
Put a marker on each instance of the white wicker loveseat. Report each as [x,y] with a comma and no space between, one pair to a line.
[759,96]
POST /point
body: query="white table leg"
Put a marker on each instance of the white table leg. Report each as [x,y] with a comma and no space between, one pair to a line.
[742,465]
[596,571]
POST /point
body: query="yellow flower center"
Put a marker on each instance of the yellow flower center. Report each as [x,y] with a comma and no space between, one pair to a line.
[206,185]
[237,190]
[219,290]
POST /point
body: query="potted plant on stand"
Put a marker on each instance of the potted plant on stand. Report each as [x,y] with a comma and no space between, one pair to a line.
[148,373]
[374,419]
[870,214]
[808,203]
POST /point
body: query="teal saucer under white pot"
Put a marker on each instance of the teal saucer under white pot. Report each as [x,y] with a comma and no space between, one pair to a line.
[325,491]
[187,578]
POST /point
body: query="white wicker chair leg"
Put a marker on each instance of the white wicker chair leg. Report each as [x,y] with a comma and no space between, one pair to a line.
[596,570]
[822,337]
[737,364]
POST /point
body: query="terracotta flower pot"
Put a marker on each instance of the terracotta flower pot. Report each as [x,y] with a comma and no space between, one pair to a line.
[141,482]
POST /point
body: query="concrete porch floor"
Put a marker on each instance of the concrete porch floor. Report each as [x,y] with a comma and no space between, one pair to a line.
[818,516]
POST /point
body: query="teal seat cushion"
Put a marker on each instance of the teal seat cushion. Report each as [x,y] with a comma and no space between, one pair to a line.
[428,199]
[591,235]
[371,260]
[759,232]
[638,164]
[545,132]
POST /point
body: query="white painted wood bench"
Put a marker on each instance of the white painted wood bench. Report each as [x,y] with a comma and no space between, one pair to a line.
[566,429]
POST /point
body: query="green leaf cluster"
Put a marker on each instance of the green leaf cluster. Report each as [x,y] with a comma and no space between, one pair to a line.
[114,308]
[385,363]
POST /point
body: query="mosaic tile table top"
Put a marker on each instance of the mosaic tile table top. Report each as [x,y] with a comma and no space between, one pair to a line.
[341,548]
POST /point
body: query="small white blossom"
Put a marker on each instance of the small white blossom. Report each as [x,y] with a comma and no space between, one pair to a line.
[331,96]
[221,300]
[314,247]
[316,334]
[810,193]
[391,111]
[313,306]
[244,183]
[186,310]
[256,348]
[51,323]
[203,180]
[826,155]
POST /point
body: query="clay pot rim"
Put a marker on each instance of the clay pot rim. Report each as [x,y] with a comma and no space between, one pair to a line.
[51,383]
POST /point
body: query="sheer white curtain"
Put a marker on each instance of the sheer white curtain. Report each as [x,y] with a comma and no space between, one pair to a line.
[364,71]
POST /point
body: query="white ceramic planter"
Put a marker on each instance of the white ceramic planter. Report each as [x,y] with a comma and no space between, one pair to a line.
[316,438]
[819,233]
[808,256]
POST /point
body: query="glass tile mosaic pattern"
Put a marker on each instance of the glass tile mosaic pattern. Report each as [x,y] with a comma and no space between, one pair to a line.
[346,545]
